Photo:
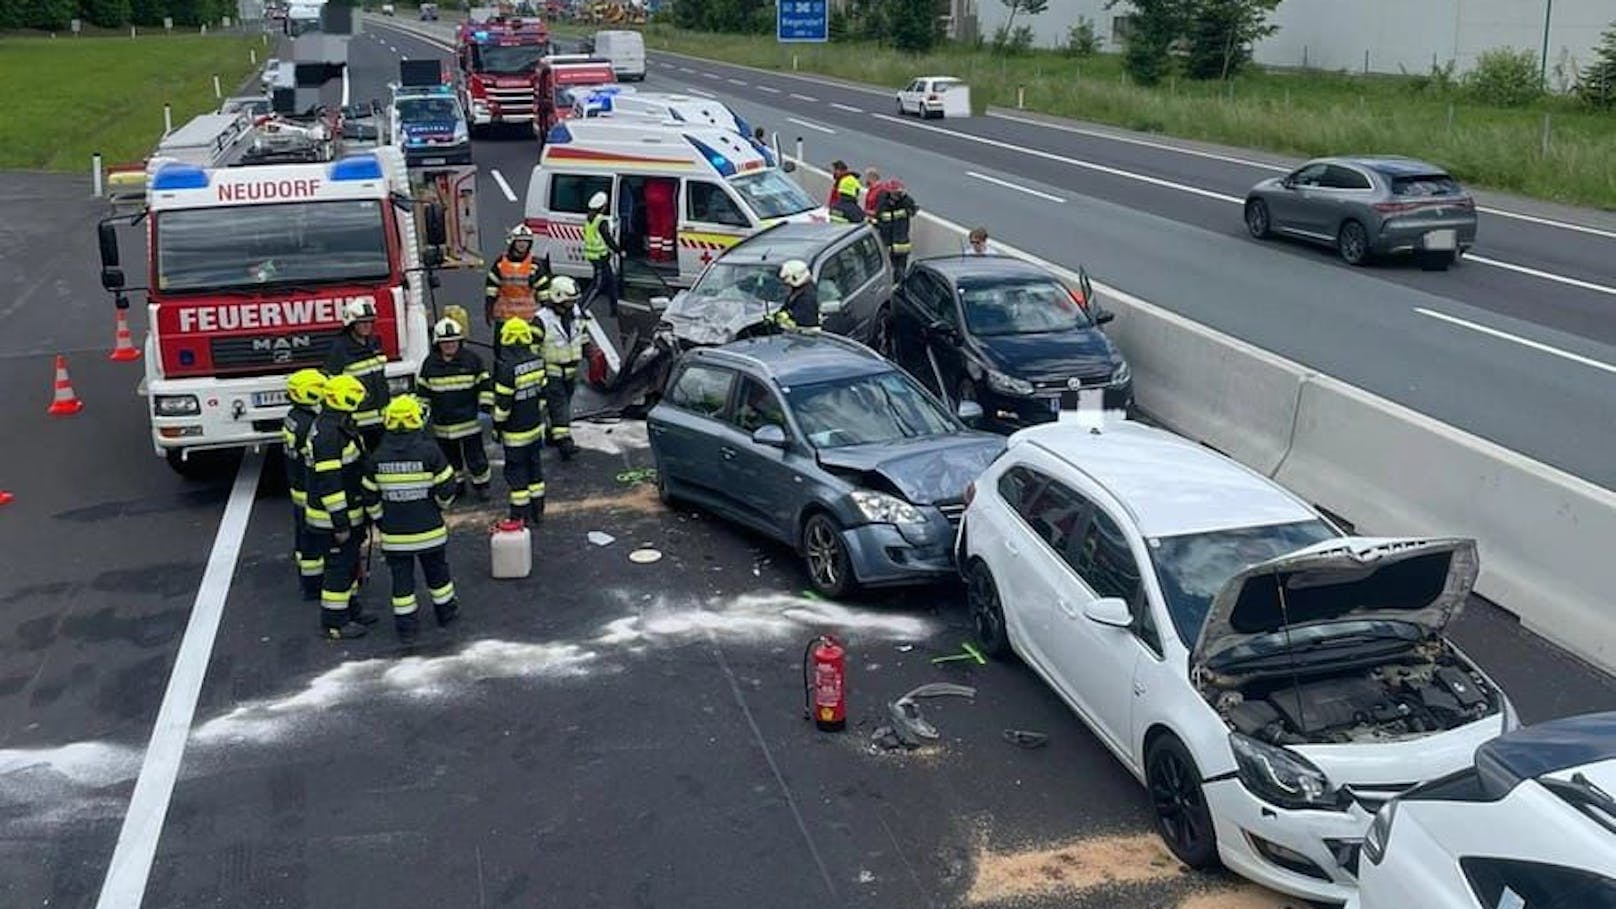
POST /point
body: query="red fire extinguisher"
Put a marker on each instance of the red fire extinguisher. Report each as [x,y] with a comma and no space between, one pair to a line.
[824,676]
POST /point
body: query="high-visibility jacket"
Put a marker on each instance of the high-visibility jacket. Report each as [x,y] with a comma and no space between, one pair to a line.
[455,388]
[513,287]
[892,220]
[846,211]
[563,345]
[295,428]
[364,361]
[335,458]
[598,240]
[519,408]
[408,482]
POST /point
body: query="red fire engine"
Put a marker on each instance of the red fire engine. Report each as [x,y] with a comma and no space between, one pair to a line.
[558,76]
[497,59]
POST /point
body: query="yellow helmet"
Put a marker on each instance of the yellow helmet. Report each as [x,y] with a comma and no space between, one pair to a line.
[306,386]
[515,332]
[403,413]
[344,393]
[848,185]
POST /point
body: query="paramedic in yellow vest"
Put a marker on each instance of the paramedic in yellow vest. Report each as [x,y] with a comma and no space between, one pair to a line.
[565,334]
[516,282]
[599,247]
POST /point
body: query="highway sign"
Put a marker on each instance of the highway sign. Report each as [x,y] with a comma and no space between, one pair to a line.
[803,20]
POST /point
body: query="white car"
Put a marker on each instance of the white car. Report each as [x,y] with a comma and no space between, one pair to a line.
[924,96]
[1531,825]
[1270,680]
[272,69]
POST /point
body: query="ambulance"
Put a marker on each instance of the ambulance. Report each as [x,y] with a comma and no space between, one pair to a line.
[680,195]
[611,101]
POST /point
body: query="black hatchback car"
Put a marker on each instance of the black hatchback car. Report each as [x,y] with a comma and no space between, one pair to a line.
[1009,335]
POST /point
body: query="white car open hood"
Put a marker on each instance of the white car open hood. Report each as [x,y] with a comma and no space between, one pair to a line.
[1422,582]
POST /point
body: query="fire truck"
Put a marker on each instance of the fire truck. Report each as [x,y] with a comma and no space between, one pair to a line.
[560,81]
[497,59]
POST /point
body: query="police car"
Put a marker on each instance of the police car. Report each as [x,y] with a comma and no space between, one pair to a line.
[426,121]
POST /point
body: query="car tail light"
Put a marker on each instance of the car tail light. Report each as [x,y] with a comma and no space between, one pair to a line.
[1387,208]
[1466,203]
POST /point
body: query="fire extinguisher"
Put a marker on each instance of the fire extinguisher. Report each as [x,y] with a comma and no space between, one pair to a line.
[824,677]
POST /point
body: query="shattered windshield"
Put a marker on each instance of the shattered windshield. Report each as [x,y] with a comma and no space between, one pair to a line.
[868,410]
[770,194]
[727,298]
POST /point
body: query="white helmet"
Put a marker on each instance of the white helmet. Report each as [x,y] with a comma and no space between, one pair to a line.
[597,202]
[563,289]
[795,273]
[447,330]
[358,309]
[519,232]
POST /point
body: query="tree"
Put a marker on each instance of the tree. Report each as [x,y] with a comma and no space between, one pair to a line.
[1598,83]
[1220,34]
[1153,26]
[1030,7]
[915,25]
[47,15]
[105,13]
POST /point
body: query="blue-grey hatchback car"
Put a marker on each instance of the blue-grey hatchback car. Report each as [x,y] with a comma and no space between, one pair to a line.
[819,442]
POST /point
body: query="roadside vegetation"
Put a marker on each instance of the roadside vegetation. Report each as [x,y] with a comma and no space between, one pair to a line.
[1186,75]
[106,94]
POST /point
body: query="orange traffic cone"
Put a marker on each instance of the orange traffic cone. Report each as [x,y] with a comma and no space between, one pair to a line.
[66,402]
[124,348]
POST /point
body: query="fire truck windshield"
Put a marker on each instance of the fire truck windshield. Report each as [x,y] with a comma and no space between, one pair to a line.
[244,247]
[509,59]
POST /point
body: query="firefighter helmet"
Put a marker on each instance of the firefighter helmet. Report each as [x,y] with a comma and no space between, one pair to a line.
[563,290]
[447,330]
[597,202]
[795,273]
[515,332]
[306,386]
[403,413]
[344,393]
[359,309]
[848,185]
[520,232]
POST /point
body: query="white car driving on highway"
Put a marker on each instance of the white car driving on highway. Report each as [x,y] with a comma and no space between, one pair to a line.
[1270,680]
[1531,825]
[924,96]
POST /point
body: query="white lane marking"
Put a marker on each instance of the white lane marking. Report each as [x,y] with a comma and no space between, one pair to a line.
[686,69]
[811,125]
[1008,185]
[697,91]
[735,81]
[1524,342]
[803,97]
[828,83]
[1548,222]
[1545,275]
[125,884]
[503,186]
[713,76]
[847,107]
[765,88]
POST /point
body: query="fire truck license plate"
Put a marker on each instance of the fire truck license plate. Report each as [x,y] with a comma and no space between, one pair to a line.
[269,398]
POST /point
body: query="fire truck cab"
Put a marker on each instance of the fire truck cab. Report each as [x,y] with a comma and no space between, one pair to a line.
[561,79]
[496,61]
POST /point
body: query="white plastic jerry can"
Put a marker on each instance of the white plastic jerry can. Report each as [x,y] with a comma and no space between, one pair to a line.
[511,550]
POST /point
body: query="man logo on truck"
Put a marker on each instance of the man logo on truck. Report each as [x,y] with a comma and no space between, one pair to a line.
[278,314]
[281,349]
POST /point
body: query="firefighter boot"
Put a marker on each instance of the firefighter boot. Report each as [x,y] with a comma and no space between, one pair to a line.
[346,631]
[536,512]
[569,448]
[357,613]
[447,612]
[408,628]
[480,490]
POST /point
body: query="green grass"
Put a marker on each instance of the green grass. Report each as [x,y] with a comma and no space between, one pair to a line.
[1302,113]
[106,94]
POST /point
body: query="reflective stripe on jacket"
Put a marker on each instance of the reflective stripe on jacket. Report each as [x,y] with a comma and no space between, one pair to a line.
[364,361]
[893,219]
[513,288]
[408,482]
[295,428]
[335,460]
[519,404]
[562,350]
[595,245]
[455,389]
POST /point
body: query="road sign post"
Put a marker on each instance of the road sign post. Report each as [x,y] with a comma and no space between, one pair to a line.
[802,21]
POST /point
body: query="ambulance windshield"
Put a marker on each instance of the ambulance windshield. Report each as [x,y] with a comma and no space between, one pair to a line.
[249,246]
[771,194]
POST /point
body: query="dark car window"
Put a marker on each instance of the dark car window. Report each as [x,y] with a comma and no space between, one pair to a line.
[1105,563]
[834,280]
[1516,882]
[570,192]
[1016,487]
[1019,307]
[709,203]
[929,294]
[1311,175]
[702,390]
[871,256]
[1338,177]
[1058,515]
[885,407]
[757,407]
[1425,185]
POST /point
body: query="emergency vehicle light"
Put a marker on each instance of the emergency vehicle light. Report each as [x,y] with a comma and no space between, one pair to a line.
[180,176]
[559,135]
[720,163]
[480,35]
[357,167]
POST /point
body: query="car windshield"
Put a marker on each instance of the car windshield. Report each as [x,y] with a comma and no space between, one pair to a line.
[1193,568]
[745,280]
[259,245]
[1019,307]
[868,410]
[513,59]
[427,110]
[771,195]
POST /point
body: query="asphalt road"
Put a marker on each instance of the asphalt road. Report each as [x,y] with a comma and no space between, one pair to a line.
[1517,344]
[601,734]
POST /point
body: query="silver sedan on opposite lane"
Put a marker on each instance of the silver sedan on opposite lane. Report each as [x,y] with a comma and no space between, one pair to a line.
[1366,207]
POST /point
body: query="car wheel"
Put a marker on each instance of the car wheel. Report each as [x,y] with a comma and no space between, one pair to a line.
[829,569]
[663,493]
[987,611]
[881,333]
[901,111]
[1257,221]
[1352,242]
[1182,818]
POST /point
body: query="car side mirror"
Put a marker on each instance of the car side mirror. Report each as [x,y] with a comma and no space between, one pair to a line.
[771,435]
[658,304]
[107,236]
[969,412]
[1103,316]
[1112,611]
[1287,182]
[437,231]
[112,278]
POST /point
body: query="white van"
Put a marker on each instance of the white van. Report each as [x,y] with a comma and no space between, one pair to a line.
[612,101]
[680,195]
[626,50]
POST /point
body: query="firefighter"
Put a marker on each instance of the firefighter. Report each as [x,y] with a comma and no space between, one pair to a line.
[455,386]
[358,353]
[519,413]
[893,217]
[565,334]
[800,312]
[516,282]
[335,455]
[599,247]
[408,482]
[846,209]
[304,388]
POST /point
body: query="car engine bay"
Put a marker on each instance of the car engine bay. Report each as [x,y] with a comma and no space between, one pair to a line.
[1431,690]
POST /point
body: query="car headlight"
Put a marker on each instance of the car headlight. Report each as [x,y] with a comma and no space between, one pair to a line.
[1380,832]
[461,134]
[399,385]
[176,405]
[1009,385]
[1121,374]
[414,141]
[880,508]
[1281,776]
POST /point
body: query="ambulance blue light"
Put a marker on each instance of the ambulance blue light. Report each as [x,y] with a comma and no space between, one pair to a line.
[559,135]
[357,167]
[720,163]
[480,35]
[180,176]
[743,126]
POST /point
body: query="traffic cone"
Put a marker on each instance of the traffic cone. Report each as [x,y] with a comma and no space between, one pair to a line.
[66,402]
[124,348]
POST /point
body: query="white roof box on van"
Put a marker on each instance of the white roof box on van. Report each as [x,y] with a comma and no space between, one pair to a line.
[629,145]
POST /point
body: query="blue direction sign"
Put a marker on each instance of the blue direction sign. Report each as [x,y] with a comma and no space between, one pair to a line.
[803,20]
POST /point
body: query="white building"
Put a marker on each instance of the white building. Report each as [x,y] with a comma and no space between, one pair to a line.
[1396,35]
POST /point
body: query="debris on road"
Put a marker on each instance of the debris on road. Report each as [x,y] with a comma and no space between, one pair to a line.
[905,648]
[1241,896]
[908,724]
[601,538]
[637,475]
[1072,869]
[645,556]
[1026,738]
[970,654]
